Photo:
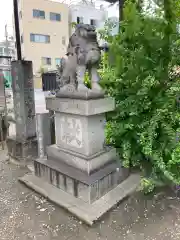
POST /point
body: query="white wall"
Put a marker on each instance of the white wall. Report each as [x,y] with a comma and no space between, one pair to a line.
[88,12]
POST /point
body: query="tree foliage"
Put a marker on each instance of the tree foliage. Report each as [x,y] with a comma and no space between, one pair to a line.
[145,124]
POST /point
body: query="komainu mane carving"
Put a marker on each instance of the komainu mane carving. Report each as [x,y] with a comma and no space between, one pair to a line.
[83,54]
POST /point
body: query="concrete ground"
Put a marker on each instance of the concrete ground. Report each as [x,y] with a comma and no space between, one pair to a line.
[26,216]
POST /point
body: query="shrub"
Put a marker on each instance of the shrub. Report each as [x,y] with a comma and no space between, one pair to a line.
[145,124]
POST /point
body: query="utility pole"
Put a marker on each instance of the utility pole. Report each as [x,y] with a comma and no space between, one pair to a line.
[17,31]
[7,42]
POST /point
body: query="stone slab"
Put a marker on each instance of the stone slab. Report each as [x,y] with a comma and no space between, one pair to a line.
[89,188]
[79,155]
[80,107]
[69,91]
[88,165]
[88,213]
[82,134]
[22,150]
[23,98]
[76,173]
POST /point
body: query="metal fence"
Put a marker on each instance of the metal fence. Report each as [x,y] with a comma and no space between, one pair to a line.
[49,81]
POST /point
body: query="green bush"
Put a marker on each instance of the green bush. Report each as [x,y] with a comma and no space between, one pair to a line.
[145,124]
[87,81]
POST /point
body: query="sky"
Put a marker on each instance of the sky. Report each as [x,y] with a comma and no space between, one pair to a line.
[6,10]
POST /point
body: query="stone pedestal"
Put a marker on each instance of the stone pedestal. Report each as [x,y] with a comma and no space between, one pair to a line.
[79,163]
[24,111]
[20,150]
[80,173]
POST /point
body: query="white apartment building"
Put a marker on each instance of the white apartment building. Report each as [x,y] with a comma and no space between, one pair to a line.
[115,22]
[7,48]
[7,53]
[88,13]
[44,30]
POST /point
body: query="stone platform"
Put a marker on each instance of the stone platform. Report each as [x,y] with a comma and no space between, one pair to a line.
[22,151]
[88,213]
[87,164]
[22,146]
[80,166]
[79,184]
[69,91]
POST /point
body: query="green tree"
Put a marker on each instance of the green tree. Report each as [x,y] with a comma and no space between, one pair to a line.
[145,123]
[6,83]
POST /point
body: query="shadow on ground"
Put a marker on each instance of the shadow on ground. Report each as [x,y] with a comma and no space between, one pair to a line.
[25,215]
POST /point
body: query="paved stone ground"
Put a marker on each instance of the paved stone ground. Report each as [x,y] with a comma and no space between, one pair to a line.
[26,216]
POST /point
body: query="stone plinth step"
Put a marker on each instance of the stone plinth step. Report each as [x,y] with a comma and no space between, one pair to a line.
[80,107]
[89,213]
[69,91]
[22,150]
[77,183]
[85,164]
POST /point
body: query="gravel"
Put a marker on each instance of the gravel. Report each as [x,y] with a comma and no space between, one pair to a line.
[25,215]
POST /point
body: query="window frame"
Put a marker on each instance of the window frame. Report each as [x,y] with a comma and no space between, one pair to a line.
[33,37]
[93,22]
[20,14]
[22,39]
[2,52]
[60,59]
[79,20]
[47,59]
[38,14]
[53,17]
[63,40]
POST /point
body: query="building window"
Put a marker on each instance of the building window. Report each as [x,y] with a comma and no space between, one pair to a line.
[38,14]
[58,61]
[1,51]
[22,39]
[6,52]
[63,41]
[20,14]
[55,16]
[93,22]
[46,61]
[39,38]
[79,20]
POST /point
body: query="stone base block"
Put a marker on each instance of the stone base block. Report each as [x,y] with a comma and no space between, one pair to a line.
[22,150]
[77,183]
[70,91]
[80,107]
[88,213]
[81,162]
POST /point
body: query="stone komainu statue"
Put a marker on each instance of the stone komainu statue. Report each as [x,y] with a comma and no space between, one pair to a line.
[83,54]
